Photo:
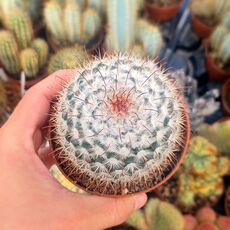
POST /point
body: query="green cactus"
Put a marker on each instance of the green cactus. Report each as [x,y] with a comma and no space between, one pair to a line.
[91,23]
[226,20]
[42,50]
[217,37]
[106,117]
[224,51]
[9,54]
[29,62]
[67,58]
[19,23]
[201,172]
[100,5]
[221,7]
[54,21]
[73,23]
[205,9]
[157,215]
[122,17]
[151,38]
[218,134]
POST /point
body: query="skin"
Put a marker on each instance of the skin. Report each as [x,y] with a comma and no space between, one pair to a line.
[30,197]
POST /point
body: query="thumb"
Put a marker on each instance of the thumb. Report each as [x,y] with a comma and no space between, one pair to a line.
[97,212]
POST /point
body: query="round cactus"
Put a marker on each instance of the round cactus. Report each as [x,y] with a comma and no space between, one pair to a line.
[42,50]
[67,58]
[162,215]
[29,62]
[119,126]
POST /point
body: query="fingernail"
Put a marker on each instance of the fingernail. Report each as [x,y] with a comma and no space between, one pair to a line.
[140,200]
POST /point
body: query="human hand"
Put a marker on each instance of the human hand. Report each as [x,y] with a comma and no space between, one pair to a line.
[30,197]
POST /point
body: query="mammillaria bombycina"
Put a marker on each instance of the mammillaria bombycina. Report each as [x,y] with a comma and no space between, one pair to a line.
[119,126]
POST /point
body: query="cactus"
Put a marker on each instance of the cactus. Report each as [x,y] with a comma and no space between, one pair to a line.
[157,215]
[206,214]
[224,51]
[221,7]
[218,134]
[6,6]
[151,38]
[223,222]
[42,50]
[217,37]
[19,23]
[91,23]
[100,5]
[226,20]
[29,62]
[201,172]
[123,123]
[121,24]
[9,54]
[67,58]
[53,18]
[73,23]
[205,9]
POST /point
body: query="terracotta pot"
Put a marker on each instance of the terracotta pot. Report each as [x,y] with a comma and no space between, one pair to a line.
[29,83]
[159,13]
[215,73]
[202,30]
[225,97]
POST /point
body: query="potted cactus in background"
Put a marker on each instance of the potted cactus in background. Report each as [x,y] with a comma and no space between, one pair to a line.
[225,97]
[206,15]
[136,36]
[119,126]
[19,51]
[162,10]
[217,53]
[69,24]
[33,7]
[67,58]
[199,180]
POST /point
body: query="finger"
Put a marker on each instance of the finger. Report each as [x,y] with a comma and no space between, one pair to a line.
[103,212]
[32,110]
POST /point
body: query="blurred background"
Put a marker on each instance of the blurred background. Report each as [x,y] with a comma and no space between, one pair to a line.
[191,39]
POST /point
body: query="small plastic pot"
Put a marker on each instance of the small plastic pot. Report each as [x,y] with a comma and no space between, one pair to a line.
[159,13]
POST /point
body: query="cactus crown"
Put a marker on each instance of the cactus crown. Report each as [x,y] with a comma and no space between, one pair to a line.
[119,126]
